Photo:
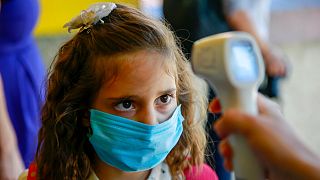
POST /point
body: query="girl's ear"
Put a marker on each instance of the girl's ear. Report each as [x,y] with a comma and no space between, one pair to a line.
[86,119]
[86,123]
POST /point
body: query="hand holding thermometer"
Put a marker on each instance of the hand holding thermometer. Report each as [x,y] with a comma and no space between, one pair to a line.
[232,64]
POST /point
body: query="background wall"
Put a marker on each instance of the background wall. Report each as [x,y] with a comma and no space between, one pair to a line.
[55,13]
[295,27]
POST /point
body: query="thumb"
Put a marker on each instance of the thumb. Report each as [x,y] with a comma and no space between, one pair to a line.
[234,122]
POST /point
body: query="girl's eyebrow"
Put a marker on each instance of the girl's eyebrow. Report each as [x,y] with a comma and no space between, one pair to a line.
[130,97]
[121,98]
[168,91]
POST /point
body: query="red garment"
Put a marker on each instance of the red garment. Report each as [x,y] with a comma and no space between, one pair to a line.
[32,172]
[205,173]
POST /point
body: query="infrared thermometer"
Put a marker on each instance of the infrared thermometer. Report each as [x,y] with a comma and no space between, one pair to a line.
[232,65]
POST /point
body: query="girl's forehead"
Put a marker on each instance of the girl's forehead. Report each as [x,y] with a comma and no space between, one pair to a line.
[137,61]
[143,71]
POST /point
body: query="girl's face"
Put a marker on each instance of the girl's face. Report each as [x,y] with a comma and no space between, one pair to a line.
[142,90]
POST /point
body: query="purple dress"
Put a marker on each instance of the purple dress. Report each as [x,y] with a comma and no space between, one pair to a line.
[22,72]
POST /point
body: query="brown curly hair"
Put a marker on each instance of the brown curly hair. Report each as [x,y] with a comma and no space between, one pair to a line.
[77,74]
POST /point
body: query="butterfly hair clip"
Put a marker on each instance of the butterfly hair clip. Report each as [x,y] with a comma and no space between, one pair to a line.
[90,16]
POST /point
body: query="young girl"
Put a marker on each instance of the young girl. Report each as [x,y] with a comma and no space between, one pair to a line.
[122,103]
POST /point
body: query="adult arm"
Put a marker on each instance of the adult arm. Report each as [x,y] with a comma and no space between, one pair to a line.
[11,164]
[238,17]
[281,154]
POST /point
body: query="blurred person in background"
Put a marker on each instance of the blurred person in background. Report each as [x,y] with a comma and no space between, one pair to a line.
[195,19]
[253,16]
[22,72]
[152,8]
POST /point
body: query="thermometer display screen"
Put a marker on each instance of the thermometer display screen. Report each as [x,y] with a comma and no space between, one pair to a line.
[243,62]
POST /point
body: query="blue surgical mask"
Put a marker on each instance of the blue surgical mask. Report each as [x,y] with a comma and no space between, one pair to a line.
[130,145]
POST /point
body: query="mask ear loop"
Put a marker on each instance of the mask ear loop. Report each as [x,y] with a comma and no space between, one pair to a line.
[86,124]
[89,134]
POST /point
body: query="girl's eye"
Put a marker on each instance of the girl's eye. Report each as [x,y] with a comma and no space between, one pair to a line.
[165,99]
[125,105]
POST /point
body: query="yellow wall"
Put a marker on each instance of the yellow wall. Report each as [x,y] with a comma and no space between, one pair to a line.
[55,13]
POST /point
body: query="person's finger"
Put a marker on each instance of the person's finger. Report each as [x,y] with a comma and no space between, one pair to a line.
[262,103]
[214,106]
[234,121]
[227,163]
[267,106]
[227,153]
[225,149]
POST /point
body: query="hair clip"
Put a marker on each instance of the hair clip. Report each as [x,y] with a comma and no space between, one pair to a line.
[90,16]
